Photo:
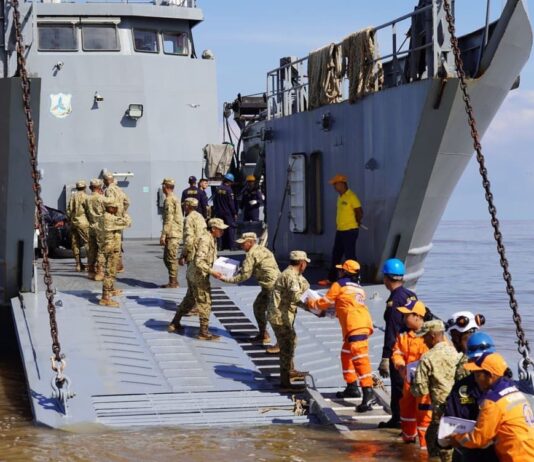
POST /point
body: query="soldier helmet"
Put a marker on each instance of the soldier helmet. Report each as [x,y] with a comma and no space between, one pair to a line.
[95,183]
[168,181]
[81,184]
[217,223]
[191,201]
[299,255]
[247,237]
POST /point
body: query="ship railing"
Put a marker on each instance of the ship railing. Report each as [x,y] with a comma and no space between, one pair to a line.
[423,57]
[178,3]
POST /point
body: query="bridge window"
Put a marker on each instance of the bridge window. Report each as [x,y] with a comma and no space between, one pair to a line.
[146,41]
[57,37]
[175,43]
[102,37]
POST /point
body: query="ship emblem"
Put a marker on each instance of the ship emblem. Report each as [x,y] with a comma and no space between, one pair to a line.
[60,105]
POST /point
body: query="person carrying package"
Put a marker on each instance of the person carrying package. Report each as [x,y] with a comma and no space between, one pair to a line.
[506,418]
[434,376]
[393,271]
[415,413]
[281,312]
[260,263]
[348,297]
[463,401]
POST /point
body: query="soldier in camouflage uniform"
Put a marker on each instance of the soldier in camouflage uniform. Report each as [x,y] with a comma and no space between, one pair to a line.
[114,192]
[171,234]
[79,230]
[198,280]
[110,226]
[286,297]
[260,263]
[194,226]
[435,376]
[94,208]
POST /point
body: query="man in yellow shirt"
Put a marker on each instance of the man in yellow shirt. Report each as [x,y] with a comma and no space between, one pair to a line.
[348,218]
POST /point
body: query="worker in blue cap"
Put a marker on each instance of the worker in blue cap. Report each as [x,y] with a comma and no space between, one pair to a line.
[224,206]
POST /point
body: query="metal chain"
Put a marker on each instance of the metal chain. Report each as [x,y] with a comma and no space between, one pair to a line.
[523,346]
[32,148]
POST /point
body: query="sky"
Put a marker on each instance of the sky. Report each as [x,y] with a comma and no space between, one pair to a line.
[248,37]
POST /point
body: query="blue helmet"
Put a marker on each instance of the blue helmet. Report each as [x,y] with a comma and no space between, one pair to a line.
[393,267]
[478,344]
[229,177]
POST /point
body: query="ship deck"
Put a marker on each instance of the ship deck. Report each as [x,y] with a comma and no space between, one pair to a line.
[126,370]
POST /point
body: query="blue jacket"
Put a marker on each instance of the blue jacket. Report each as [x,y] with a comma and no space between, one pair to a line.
[394,318]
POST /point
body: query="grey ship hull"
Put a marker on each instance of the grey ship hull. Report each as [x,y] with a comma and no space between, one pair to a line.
[402,155]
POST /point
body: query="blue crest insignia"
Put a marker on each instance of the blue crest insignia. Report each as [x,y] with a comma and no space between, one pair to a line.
[60,105]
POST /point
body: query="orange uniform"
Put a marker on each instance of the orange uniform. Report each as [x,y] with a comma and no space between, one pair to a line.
[356,326]
[415,413]
[505,419]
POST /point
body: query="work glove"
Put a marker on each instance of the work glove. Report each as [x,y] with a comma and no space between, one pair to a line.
[383,368]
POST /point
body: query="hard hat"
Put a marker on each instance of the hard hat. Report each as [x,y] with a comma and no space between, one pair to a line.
[393,267]
[478,344]
[464,321]
[229,177]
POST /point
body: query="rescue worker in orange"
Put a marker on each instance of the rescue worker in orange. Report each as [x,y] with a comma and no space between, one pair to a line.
[348,297]
[505,419]
[415,413]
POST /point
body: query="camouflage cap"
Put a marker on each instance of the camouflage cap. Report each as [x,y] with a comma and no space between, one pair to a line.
[108,176]
[81,184]
[168,181]
[217,223]
[436,325]
[298,255]
[191,201]
[247,237]
[95,183]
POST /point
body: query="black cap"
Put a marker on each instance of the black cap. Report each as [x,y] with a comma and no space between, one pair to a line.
[192,179]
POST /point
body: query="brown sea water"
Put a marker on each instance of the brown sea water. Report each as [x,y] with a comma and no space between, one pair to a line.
[462,272]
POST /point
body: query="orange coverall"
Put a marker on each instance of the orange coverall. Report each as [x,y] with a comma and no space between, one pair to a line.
[356,326]
[415,413]
[505,419]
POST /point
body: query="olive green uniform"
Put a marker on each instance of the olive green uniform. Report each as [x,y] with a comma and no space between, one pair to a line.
[260,263]
[435,376]
[79,230]
[281,312]
[173,222]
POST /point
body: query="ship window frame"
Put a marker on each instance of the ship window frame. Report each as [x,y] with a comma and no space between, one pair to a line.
[101,25]
[134,29]
[175,33]
[58,24]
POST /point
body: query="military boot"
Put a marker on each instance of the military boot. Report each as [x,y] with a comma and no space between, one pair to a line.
[297,375]
[174,325]
[172,284]
[286,386]
[205,334]
[91,273]
[368,398]
[350,391]
[99,276]
[106,300]
[273,350]
[262,338]
[116,292]
[120,265]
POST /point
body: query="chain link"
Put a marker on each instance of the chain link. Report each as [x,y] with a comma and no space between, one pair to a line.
[523,346]
[22,72]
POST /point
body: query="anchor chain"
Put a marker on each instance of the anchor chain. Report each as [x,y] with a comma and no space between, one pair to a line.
[523,346]
[57,358]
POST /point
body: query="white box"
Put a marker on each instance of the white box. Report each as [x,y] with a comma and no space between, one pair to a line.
[226,266]
[450,425]
[410,371]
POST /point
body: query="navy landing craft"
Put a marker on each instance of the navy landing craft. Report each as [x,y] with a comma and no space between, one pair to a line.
[114,86]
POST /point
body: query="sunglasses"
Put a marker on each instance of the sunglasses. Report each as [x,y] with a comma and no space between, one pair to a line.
[463,321]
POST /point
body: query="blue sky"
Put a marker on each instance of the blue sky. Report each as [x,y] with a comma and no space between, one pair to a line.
[249,36]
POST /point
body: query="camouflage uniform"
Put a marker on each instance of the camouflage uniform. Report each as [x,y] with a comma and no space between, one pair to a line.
[281,312]
[114,192]
[109,231]
[194,227]
[94,209]
[461,373]
[79,225]
[260,263]
[435,376]
[173,222]
[198,280]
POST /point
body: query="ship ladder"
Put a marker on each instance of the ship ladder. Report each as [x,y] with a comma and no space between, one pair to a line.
[60,383]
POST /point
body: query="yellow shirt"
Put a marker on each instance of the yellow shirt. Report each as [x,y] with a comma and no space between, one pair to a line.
[345,218]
